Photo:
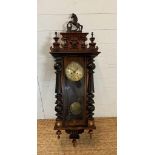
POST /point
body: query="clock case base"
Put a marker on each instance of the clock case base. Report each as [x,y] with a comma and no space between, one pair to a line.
[73,44]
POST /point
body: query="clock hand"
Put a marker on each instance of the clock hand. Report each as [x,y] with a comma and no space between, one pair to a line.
[71,69]
[75,70]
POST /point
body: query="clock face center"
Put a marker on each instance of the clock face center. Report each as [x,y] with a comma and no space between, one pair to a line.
[75,108]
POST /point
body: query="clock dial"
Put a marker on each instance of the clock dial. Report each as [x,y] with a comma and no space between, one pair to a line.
[74,71]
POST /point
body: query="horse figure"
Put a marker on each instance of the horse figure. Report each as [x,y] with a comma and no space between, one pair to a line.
[74,22]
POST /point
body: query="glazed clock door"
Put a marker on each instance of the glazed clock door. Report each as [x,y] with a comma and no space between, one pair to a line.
[74,91]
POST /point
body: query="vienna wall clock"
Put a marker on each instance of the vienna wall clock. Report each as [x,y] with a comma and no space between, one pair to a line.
[74,66]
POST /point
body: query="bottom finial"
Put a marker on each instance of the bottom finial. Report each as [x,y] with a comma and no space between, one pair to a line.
[90,132]
[58,134]
[74,142]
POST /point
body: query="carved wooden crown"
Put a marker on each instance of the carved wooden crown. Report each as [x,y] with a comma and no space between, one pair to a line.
[74,40]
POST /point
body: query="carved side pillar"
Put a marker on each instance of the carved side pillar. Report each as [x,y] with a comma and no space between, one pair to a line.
[90,94]
[90,91]
[58,91]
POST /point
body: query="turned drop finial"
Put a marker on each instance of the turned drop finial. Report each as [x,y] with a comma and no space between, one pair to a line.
[58,134]
[56,34]
[74,142]
[90,132]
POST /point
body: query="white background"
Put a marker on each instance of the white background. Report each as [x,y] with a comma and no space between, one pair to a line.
[136,77]
[98,17]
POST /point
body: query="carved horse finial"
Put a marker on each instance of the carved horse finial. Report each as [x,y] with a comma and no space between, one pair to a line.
[74,22]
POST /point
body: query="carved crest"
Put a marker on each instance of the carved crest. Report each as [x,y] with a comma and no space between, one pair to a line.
[73,25]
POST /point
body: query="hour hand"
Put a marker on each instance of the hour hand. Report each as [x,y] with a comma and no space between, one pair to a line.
[71,70]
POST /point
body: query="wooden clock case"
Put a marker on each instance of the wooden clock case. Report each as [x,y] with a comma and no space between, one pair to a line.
[72,47]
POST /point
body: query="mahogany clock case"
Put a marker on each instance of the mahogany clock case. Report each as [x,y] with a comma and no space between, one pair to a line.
[74,95]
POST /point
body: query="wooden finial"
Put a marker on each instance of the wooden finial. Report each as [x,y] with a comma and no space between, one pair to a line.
[74,142]
[58,134]
[56,38]
[92,44]
[90,132]
[56,34]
